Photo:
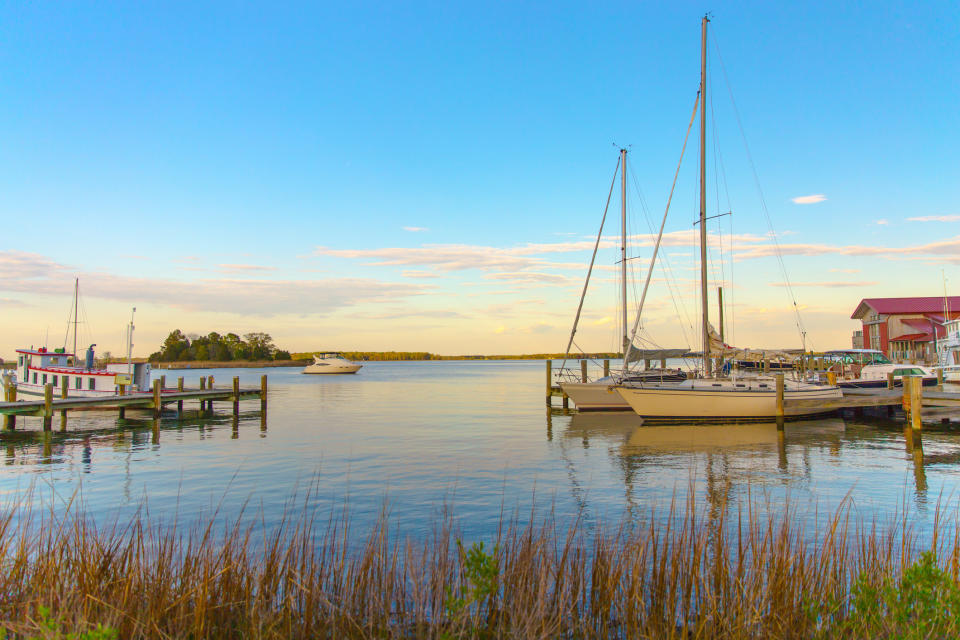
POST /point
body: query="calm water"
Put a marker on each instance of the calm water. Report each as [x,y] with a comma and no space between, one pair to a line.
[474,435]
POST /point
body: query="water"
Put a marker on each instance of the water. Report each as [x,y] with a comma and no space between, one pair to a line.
[417,436]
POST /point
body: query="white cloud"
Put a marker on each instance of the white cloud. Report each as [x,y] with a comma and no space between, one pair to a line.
[952,218]
[32,273]
[831,284]
[415,229]
[811,199]
[844,270]
[419,274]
[243,268]
[881,221]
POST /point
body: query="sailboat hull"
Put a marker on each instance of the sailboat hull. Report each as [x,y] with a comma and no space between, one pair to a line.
[595,396]
[705,399]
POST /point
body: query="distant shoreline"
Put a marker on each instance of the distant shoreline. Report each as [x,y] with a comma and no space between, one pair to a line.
[302,362]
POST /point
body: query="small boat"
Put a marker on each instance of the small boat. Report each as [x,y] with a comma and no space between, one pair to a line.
[331,362]
[948,351]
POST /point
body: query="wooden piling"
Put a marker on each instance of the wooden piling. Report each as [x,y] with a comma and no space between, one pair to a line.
[766,366]
[263,394]
[939,379]
[832,378]
[646,364]
[157,402]
[63,412]
[780,391]
[163,382]
[663,363]
[905,402]
[236,396]
[583,371]
[9,421]
[549,380]
[916,403]
[890,380]
[203,385]
[179,402]
[606,368]
[47,406]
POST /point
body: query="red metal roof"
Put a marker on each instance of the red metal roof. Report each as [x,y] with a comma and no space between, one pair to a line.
[913,337]
[906,305]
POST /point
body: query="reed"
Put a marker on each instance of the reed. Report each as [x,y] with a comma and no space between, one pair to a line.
[681,575]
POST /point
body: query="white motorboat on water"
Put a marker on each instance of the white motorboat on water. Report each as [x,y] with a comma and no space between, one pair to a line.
[948,350]
[331,362]
[712,396]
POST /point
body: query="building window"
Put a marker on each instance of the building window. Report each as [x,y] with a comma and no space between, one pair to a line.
[91,383]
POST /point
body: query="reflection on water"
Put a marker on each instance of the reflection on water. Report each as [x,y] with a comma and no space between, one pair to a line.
[472,434]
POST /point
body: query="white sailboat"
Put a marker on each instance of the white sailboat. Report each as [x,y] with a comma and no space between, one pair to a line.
[598,395]
[712,396]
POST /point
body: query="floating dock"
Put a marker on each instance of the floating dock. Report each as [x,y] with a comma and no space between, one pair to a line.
[154,400]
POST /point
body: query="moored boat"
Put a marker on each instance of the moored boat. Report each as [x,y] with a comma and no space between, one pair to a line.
[331,362]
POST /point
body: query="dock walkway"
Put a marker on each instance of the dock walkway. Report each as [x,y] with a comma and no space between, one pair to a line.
[153,400]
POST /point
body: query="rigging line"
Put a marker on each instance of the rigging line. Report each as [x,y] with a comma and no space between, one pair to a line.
[656,247]
[763,203]
[66,336]
[596,246]
[670,280]
[716,188]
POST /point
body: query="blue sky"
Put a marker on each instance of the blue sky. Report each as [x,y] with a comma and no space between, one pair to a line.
[313,170]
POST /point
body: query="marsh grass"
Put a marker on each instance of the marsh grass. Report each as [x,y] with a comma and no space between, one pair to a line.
[744,575]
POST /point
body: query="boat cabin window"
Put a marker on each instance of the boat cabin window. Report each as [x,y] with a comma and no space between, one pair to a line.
[78,383]
[66,382]
[909,371]
[44,378]
[20,361]
[34,377]
[55,381]
[91,382]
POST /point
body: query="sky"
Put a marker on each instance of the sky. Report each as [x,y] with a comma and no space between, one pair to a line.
[431,176]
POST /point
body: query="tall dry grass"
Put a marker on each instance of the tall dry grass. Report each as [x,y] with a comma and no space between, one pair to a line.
[679,576]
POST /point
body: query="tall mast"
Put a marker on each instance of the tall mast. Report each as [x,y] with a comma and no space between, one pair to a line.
[703,196]
[76,301]
[623,247]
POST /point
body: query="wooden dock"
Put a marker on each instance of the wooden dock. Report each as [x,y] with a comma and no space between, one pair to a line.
[154,401]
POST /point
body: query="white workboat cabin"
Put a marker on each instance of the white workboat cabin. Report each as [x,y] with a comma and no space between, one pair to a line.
[39,367]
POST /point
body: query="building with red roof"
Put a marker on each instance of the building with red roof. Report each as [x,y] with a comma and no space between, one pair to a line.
[905,329]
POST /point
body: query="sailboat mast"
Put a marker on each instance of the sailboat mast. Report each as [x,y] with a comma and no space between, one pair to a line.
[76,301]
[623,248]
[703,197]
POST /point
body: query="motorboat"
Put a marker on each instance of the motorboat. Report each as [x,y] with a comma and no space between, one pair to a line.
[331,362]
[948,351]
[869,368]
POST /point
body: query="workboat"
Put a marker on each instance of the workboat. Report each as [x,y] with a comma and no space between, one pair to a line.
[60,368]
[331,363]
[712,395]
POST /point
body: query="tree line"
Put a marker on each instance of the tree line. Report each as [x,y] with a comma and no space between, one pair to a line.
[425,355]
[218,347]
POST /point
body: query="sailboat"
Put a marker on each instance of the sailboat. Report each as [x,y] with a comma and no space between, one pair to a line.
[713,396]
[597,395]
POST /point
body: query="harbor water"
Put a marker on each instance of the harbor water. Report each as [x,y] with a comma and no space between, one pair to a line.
[472,438]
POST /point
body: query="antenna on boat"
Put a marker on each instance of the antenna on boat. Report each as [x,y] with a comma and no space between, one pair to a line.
[130,343]
[76,304]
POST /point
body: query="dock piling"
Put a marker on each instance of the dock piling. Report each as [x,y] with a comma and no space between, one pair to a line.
[157,402]
[606,368]
[63,412]
[47,406]
[916,403]
[179,402]
[780,391]
[890,380]
[939,379]
[163,382]
[236,396]
[549,380]
[832,378]
[583,371]
[203,386]
[263,394]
